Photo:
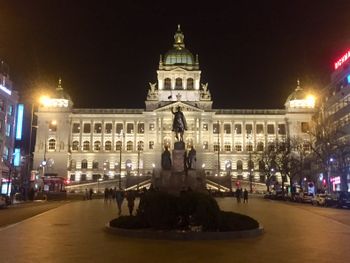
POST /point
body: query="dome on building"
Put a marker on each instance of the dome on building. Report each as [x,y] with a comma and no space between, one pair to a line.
[297,94]
[300,99]
[179,54]
[60,93]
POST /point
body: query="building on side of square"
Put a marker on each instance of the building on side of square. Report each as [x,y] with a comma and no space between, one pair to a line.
[86,144]
[8,109]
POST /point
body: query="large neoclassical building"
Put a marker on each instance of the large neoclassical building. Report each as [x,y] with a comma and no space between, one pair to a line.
[86,144]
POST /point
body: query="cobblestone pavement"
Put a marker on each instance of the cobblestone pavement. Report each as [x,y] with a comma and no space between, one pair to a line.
[74,232]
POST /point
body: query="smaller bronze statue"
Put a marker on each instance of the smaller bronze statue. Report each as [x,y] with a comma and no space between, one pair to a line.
[166,159]
[179,124]
[191,159]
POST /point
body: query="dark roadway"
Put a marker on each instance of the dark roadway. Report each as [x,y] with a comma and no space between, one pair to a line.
[73,232]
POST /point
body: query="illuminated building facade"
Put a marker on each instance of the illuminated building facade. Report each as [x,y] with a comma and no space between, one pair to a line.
[8,110]
[86,144]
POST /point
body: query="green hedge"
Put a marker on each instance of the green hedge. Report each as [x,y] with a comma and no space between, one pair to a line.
[163,211]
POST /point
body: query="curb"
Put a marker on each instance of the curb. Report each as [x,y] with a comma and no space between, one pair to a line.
[178,235]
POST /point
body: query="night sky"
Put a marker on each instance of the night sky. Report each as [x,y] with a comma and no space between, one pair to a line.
[250,52]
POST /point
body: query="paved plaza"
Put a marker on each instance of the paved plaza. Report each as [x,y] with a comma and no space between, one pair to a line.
[74,232]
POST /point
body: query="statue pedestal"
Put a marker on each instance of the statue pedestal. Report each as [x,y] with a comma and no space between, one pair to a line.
[179,157]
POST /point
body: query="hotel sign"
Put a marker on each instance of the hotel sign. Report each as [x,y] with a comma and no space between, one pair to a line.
[341,61]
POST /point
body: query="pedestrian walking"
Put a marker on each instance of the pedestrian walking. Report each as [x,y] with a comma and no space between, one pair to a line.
[245,196]
[90,193]
[106,194]
[119,198]
[238,195]
[130,197]
[86,194]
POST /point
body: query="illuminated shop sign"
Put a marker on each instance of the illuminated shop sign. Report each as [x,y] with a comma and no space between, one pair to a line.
[341,61]
[19,122]
[6,90]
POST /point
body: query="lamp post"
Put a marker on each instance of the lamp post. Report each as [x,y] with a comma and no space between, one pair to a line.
[218,147]
[120,158]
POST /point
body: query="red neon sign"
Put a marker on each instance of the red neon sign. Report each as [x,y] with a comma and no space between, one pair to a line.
[340,61]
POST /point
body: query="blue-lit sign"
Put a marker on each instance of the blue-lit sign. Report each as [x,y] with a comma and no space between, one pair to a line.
[17,157]
[19,123]
[348,77]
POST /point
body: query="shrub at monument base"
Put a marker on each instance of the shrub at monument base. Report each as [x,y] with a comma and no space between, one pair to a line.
[191,211]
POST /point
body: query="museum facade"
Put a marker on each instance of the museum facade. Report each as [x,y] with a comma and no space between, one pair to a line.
[85,144]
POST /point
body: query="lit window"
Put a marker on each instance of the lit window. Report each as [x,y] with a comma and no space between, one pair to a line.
[151,126]
[227,147]
[129,146]
[167,83]
[178,83]
[205,127]
[52,144]
[75,146]
[6,153]
[190,83]
[97,146]
[86,146]
[8,129]
[10,111]
[118,145]
[140,146]
[108,146]
[216,147]
[151,145]
[238,147]
[53,126]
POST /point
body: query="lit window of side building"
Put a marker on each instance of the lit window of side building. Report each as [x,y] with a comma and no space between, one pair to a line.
[93,143]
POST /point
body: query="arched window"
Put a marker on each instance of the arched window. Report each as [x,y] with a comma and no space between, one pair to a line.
[108,146]
[239,166]
[95,164]
[178,83]
[97,146]
[190,83]
[260,147]
[75,146]
[84,164]
[167,83]
[52,145]
[118,145]
[129,146]
[73,164]
[140,146]
[86,146]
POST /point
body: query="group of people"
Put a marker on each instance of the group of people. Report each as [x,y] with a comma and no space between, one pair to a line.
[119,195]
[240,193]
[88,194]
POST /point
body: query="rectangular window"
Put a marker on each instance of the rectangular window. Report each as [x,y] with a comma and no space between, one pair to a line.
[108,128]
[238,128]
[227,128]
[53,126]
[259,129]
[141,127]
[87,128]
[216,128]
[270,129]
[281,129]
[205,127]
[119,128]
[227,147]
[151,126]
[216,147]
[238,147]
[129,128]
[97,128]
[249,147]
[305,127]
[151,145]
[249,128]
[76,128]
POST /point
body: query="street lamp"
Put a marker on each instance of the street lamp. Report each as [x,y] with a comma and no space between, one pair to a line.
[120,158]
